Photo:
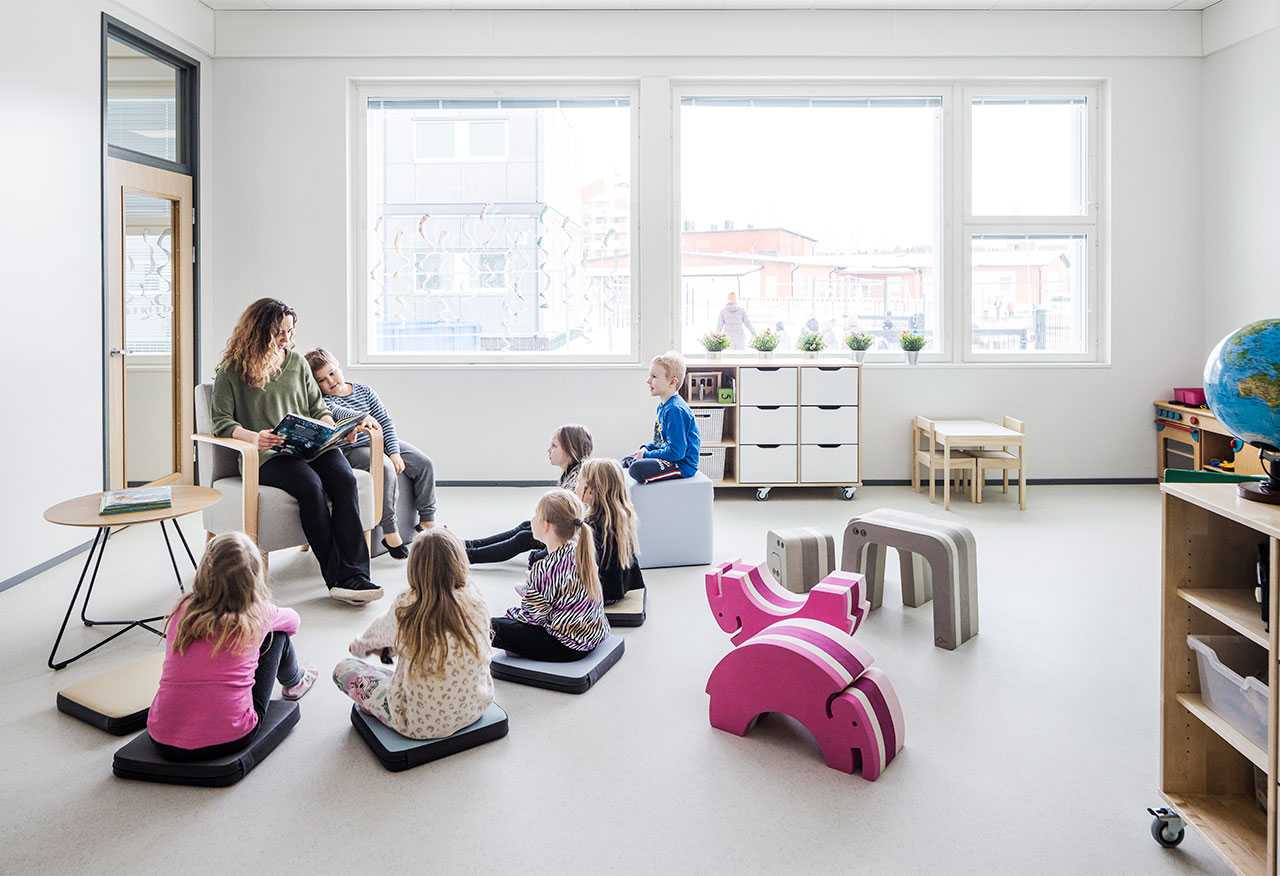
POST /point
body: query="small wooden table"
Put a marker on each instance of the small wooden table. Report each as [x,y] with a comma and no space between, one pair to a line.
[83,511]
[973,433]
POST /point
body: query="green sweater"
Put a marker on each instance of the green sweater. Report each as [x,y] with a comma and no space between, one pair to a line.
[292,391]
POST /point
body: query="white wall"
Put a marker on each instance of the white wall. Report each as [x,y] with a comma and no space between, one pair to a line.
[1241,179]
[281,224]
[51,257]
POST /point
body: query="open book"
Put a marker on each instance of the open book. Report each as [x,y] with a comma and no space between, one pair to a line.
[307,438]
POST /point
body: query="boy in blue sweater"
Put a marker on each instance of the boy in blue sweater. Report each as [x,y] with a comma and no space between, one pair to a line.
[673,453]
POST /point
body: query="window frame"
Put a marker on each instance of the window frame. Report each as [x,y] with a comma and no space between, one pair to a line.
[1091,223]
[853,88]
[361,91]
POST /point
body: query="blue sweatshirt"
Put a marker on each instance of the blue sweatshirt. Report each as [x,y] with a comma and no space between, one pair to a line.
[675,436]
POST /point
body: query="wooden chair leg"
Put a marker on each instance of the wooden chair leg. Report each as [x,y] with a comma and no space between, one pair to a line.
[208,537]
[1006,481]
[266,564]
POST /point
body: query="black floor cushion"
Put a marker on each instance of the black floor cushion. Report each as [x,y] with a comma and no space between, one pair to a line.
[575,677]
[400,752]
[630,610]
[140,759]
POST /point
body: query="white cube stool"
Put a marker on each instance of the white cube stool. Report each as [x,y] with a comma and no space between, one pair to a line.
[674,521]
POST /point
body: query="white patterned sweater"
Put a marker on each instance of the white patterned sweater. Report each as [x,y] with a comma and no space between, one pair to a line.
[423,705]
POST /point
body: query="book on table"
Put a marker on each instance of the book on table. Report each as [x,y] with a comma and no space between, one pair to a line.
[306,438]
[135,499]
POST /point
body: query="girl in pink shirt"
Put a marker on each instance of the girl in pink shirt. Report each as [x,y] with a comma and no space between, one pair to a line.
[226,645]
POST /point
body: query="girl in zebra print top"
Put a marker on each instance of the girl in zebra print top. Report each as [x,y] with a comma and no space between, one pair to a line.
[561,612]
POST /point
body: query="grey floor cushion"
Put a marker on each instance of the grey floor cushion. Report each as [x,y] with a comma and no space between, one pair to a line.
[400,752]
[119,699]
[140,759]
[576,677]
[630,610]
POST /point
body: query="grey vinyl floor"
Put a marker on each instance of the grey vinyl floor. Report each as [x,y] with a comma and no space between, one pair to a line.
[1032,749]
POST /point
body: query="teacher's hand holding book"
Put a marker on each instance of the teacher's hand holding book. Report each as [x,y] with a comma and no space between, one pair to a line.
[268,439]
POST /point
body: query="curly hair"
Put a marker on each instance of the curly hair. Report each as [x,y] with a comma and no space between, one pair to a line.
[251,351]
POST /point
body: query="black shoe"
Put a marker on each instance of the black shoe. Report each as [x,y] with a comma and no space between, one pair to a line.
[356,591]
[400,551]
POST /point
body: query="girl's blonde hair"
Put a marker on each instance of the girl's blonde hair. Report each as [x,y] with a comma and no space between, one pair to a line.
[320,357]
[229,599]
[562,511]
[611,507]
[440,605]
[250,351]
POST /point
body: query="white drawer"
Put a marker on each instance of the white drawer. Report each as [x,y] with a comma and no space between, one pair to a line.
[767,465]
[767,425]
[766,386]
[830,464]
[831,385]
[829,425]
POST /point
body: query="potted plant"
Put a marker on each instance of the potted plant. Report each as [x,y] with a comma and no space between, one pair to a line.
[912,344]
[715,343]
[765,343]
[859,343]
[812,344]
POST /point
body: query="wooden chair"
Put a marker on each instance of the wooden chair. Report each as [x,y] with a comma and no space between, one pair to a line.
[927,451]
[1003,458]
[267,515]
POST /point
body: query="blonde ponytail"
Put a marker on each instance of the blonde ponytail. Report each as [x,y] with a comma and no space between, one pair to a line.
[585,556]
[564,513]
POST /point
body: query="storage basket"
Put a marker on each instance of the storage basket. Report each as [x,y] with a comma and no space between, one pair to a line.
[711,461]
[1228,683]
[710,424]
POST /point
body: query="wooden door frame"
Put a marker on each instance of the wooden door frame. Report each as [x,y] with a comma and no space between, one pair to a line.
[126,176]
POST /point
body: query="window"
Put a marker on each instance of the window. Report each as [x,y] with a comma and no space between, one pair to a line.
[1031,230]
[494,228]
[811,215]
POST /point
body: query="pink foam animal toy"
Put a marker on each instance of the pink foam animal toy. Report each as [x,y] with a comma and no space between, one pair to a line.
[745,600]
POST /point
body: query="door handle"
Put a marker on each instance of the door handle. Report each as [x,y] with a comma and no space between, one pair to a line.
[116,351]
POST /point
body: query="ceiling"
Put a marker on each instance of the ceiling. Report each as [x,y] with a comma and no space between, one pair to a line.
[798,5]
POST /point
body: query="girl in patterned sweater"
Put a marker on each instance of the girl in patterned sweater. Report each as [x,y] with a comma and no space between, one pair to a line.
[561,612]
[439,632]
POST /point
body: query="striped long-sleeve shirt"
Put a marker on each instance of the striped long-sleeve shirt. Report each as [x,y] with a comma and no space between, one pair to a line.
[555,597]
[363,400]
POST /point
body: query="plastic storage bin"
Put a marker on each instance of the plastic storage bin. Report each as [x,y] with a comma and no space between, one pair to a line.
[1227,666]
[710,424]
[711,462]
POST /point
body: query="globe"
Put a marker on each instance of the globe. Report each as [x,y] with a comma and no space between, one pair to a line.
[1242,383]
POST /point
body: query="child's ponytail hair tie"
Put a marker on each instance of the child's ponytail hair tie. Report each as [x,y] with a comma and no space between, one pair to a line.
[577,522]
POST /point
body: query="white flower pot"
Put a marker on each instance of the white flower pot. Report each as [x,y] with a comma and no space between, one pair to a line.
[811,354]
[714,354]
[913,356]
[765,354]
[859,355]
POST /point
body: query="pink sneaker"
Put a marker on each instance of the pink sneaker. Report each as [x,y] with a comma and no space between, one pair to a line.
[299,690]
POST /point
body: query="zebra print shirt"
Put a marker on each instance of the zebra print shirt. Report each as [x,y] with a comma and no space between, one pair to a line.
[363,400]
[555,597]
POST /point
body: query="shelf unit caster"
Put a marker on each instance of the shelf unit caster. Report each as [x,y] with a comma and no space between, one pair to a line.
[762,494]
[849,493]
[1166,827]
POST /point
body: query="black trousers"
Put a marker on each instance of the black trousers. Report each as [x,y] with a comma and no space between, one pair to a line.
[504,545]
[529,640]
[647,471]
[276,662]
[336,535]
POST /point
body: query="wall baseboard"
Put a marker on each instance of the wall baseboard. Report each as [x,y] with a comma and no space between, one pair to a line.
[1031,482]
[41,567]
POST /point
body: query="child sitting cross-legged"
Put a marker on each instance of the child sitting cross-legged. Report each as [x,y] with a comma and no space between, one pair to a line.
[439,632]
[561,612]
[673,453]
[226,645]
[603,489]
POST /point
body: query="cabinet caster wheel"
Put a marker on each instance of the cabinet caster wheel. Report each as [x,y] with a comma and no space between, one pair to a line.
[849,493]
[1166,828]
[762,494]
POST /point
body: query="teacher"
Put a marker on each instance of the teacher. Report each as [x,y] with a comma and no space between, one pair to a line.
[259,380]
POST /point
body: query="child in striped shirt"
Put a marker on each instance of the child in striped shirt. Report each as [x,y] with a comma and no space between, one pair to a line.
[561,612]
[347,399]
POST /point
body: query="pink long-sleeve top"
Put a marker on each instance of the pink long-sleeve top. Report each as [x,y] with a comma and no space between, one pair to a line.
[206,698]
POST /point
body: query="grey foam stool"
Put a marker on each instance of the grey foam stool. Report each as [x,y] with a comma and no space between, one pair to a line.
[574,677]
[398,752]
[674,521]
[947,548]
[141,760]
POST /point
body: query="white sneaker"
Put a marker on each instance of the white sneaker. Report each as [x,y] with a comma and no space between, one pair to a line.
[299,690]
[356,592]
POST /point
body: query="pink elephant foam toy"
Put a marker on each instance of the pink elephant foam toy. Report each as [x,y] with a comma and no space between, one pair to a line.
[745,600]
[818,675]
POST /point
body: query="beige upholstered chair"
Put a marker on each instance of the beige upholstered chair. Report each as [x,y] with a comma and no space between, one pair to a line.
[927,452]
[1002,458]
[268,515]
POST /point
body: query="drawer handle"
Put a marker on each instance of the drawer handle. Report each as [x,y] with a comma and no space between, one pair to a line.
[769,446]
[830,368]
[769,407]
[774,368]
[829,446]
[828,407]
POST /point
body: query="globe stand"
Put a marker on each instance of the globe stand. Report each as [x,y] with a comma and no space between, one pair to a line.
[1267,491]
